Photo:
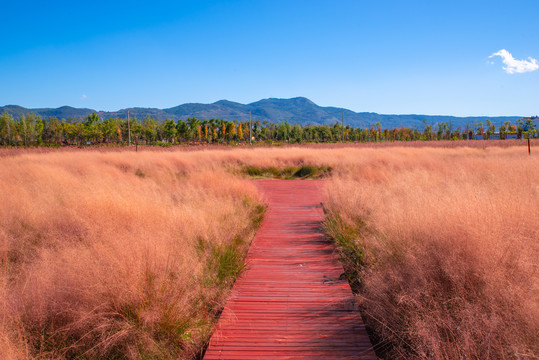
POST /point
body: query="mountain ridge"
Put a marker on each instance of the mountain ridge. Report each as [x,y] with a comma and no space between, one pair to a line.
[294,110]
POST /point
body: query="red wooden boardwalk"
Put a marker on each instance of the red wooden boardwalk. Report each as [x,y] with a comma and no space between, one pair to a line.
[290,302]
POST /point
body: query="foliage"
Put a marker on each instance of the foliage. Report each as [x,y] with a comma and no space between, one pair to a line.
[30,130]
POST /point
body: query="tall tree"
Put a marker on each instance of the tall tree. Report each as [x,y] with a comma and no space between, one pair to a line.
[149,129]
[194,125]
[223,130]
[240,131]
[39,127]
[183,130]
[170,131]
[7,128]
[526,124]
[231,130]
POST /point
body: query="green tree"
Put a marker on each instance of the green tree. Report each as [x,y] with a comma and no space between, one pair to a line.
[74,132]
[443,130]
[149,129]
[39,127]
[283,131]
[479,128]
[136,130]
[194,127]
[7,128]
[257,129]
[296,134]
[91,120]
[26,128]
[109,130]
[169,130]
[491,128]
[427,131]
[92,130]
[52,131]
[325,133]
[526,124]
[183,130]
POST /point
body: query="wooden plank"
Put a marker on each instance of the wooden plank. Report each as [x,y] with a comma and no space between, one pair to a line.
[291,303]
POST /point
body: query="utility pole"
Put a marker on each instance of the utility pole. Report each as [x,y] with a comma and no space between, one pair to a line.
[250,127]
[129,127]
[343,126]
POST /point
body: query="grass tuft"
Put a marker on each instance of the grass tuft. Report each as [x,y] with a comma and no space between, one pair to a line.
[140,174]
[289,172]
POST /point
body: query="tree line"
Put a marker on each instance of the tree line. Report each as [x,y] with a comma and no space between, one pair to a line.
[30,130]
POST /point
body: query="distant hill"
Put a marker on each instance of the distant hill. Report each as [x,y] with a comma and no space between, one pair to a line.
[295,110]
[63,112]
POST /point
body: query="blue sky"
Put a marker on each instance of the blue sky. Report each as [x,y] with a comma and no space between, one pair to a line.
[390,57]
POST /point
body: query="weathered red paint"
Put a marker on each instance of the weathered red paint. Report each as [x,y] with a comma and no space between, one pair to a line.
[290,302]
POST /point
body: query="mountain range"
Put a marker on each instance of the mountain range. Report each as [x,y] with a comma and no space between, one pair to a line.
[295,110]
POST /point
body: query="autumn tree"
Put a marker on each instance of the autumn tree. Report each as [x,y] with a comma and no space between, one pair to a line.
[240,131]
[231,129]
[206,132]
[223,130]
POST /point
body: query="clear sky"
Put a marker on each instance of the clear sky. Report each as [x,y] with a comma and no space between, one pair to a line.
[385,56]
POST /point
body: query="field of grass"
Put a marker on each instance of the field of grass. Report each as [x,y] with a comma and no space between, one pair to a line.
[119,254]
[114,255]
[442,246]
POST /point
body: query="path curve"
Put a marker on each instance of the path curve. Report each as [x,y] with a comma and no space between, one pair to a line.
[290,302]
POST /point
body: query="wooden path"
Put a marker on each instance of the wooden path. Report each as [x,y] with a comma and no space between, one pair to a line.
[290,302]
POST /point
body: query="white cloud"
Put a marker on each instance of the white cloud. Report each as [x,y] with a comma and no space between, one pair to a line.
[84,97]
[513,65]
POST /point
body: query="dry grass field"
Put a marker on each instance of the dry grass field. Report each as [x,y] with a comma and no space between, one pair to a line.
[443,247]
[116,254]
